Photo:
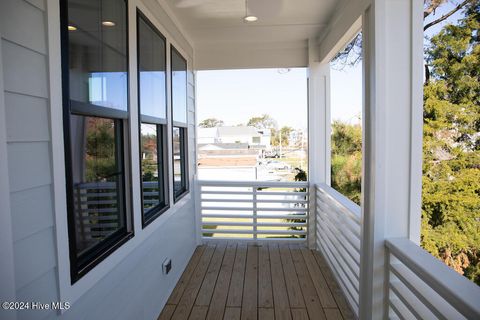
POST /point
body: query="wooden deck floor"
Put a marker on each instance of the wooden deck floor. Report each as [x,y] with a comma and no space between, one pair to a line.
[234,281]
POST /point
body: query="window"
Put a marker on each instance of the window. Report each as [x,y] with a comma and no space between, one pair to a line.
[179,131]
[95,104]
[153,114]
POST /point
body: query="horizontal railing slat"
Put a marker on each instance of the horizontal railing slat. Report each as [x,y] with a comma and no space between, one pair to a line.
[424,293]
[269,208]
[250,216]
[461,293]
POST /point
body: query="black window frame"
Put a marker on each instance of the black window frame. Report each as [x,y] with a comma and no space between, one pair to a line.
[161,128]
[183,136]
[80,266]
[183,163]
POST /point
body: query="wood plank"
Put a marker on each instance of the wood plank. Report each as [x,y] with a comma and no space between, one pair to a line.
[291,280]
[250,289]
[337,292]
[219,298]
[265,297]
[266,314]
[167,312]
[238,275]
[312,301]
[300,314]
[323,291]
[333,314]
[186,275]
[280,297]
[188,298]
[206,290]
[198,313]
[232,313]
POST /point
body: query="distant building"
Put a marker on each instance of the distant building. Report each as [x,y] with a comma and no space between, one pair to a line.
[241,134]
[207,135]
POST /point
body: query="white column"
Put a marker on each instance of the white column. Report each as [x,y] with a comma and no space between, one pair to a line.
[318,129]
[393,49]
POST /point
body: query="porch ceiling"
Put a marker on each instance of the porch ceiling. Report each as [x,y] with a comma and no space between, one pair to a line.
[279,38]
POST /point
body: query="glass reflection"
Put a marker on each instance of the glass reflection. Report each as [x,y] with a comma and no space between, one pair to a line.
[151,174]
[98,53]
[97,179]
[151,65]
[179,87]
[179,174]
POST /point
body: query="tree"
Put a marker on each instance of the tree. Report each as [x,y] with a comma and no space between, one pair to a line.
[263,122]
[346,168]
[100,158]
[451,147]
[283,134]
[210,123]
[351,55]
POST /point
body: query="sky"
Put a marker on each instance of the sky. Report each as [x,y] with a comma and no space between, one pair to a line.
[235,96]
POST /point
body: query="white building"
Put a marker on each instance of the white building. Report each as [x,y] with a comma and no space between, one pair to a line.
[234,134]
[81,222]
[207,135]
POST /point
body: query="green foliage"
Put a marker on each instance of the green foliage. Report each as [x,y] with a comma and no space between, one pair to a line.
[283,134]
[346,167]
[263,122]
[210,123]
[451,146]
[100,158]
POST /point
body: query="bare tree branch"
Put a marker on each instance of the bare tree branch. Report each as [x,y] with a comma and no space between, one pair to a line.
[445,16]
[431,6]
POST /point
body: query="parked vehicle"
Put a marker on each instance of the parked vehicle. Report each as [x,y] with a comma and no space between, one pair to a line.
[277,165]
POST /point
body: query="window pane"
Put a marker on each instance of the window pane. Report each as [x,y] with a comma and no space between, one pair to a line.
[152,174]
[179,87]
[98,52]
[179,161]
[151,65]
[97,179]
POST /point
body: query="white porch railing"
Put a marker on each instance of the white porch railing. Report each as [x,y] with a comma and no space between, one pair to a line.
[419,285]
[338,237]
[252,210]
[422,287]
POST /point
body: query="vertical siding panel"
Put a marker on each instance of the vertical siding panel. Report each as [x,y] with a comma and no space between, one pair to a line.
[43,290]
[29,31]
[34,256]
[28,165]
[24,71]
[32,211]
[24,48]
[31,112]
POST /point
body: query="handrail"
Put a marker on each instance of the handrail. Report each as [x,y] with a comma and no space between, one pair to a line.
[279,184]
[348,204]
[461,293]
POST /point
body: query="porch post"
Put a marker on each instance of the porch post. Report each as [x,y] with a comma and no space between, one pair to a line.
[318,130]
[392,122]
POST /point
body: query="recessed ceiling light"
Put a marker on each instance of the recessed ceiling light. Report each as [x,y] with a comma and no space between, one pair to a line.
[250,18]
[72,28]
[108,23]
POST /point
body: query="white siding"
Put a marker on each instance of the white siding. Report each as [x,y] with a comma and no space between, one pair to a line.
[135,288]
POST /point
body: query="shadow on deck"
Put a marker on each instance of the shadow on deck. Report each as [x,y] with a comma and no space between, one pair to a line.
[270,281]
